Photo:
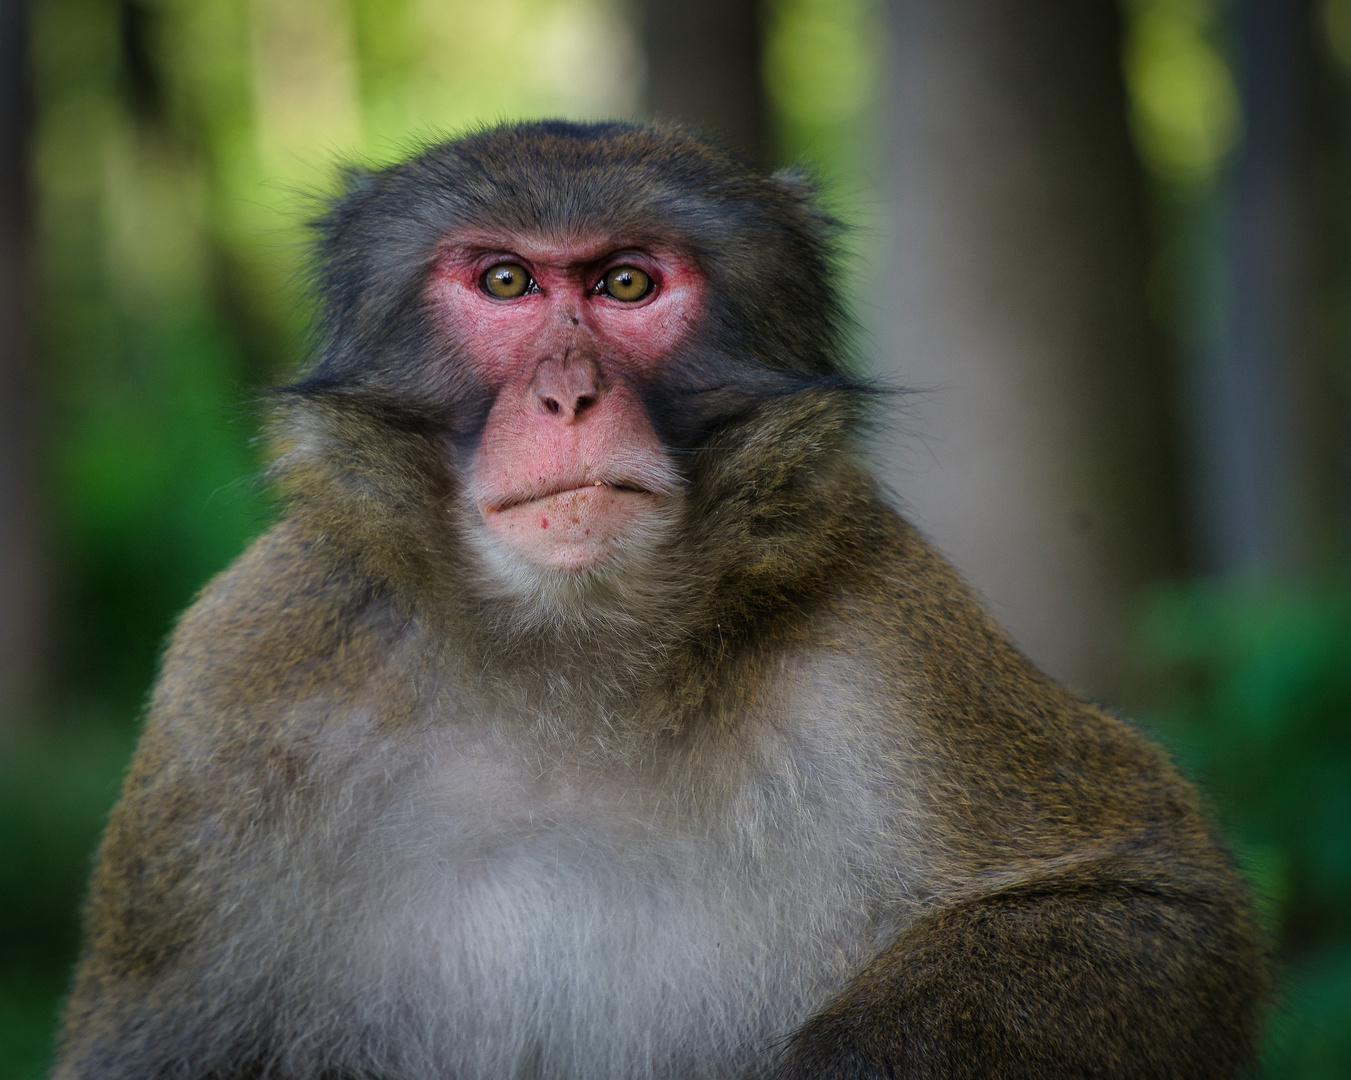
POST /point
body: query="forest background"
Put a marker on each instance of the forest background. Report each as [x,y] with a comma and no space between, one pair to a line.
[1105,246]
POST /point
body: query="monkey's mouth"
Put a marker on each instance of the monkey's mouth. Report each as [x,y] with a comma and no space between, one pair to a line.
[577,490]
[569,527]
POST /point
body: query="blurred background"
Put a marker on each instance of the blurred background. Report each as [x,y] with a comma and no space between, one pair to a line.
[1105,246]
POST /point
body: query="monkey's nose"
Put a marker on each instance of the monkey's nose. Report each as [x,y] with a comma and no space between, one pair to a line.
[566,388]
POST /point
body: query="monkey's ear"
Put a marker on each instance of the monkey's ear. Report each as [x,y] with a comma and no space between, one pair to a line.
[355,179]
[798,183]
[804,191]
[338,209]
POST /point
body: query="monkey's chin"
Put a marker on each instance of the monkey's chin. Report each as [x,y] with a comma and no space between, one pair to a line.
[578,530]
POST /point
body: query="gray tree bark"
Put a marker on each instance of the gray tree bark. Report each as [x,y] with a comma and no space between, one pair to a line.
[1040,454]
[704,69]
[1267,405]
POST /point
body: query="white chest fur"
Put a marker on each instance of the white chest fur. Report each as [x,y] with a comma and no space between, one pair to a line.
[480,917]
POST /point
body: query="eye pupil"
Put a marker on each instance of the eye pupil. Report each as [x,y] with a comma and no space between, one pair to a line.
[505,280]
[627,283]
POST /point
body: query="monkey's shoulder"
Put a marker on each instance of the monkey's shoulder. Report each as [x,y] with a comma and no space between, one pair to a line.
[1017,749]
[276,651]
[289,620]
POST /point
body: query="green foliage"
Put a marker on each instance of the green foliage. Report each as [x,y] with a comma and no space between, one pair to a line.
[157,491]
[1256,703]
[56,786]
[824,66]
[825,73]
[1184,107]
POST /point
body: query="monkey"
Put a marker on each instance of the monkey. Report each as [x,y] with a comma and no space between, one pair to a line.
[589,711]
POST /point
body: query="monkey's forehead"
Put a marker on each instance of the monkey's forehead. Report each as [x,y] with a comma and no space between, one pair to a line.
[558,177]
[563,249]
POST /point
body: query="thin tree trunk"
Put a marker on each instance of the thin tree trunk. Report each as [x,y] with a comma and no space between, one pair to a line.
[22,596]
[704,69]
[1267,415]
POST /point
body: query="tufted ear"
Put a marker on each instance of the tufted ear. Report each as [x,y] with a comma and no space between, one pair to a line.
[804,190]
[355,178]
[798,183]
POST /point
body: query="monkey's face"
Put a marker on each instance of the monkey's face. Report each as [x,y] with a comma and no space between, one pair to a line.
[566,334]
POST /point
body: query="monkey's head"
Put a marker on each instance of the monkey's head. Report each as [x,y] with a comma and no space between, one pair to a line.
[572,355]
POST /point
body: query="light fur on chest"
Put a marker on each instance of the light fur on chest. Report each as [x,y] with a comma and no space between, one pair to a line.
[481,916]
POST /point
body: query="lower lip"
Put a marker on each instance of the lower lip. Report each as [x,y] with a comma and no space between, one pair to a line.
[574,528]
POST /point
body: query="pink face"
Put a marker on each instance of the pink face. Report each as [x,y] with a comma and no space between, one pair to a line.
[566,333]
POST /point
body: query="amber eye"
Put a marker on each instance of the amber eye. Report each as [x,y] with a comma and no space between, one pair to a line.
[626,283]
[505,280]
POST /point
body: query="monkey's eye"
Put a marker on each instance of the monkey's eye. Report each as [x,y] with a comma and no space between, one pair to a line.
[506,280]
[626,283]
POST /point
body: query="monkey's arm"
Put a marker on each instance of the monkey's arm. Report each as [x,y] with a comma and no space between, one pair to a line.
[1074,975]
[1088,923]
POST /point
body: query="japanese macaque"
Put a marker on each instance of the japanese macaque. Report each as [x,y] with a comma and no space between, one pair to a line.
[590,715]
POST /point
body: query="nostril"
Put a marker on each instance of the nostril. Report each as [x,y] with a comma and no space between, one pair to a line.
[566,389]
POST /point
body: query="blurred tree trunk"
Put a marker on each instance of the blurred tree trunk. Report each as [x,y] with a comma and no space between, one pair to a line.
[704,69]
[22,610]
[1268,407]
[1041,457]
